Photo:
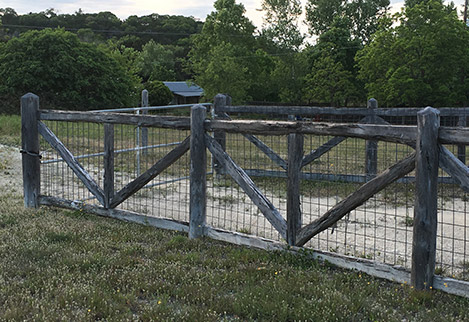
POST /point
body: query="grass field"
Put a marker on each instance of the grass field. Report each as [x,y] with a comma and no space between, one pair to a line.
[63,265]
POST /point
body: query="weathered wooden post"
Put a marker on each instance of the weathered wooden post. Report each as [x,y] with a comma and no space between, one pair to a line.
[295,157]
[30,150]
[198,173]
[144,130]
[371,146]
[425,210]
[220,101]
[108,164]
[462,122]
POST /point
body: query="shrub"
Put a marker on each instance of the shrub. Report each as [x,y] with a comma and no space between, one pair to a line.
[64,72]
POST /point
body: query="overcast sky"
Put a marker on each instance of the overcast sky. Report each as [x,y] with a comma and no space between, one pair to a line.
[124,8]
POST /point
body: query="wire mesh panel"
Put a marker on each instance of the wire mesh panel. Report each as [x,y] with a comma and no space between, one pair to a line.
[85,142]
[166,196]
[229,207]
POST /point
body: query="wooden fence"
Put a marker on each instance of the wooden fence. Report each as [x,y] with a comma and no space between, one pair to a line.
[427,139]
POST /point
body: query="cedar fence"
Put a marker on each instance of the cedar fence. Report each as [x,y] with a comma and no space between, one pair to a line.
[108,185]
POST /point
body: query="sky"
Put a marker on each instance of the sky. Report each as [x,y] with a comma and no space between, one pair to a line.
[124,8]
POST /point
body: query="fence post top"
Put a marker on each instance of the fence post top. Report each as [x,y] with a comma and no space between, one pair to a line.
[30,96]
[198,107]
[372,103]
[429,110]
[144,92]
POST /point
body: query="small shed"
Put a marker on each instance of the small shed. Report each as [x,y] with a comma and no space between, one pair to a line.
[185,92]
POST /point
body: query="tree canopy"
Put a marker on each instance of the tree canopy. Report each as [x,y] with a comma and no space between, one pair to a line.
[416,57]
[64,72]
[421,61]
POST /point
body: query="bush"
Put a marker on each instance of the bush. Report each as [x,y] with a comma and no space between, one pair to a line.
[64,72]
[158,93]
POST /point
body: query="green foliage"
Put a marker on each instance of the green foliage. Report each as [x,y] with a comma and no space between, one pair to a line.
[329,82]
[281,20]
[65,72]
[158,93]
[288,77]
[219,54]
[156,62]
[222,71]
[362,15]
[332,75]
[421,61]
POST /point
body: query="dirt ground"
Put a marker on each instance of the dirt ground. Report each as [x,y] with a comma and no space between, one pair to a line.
[11,180]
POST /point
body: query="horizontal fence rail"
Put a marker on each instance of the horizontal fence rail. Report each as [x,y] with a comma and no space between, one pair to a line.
[281,181]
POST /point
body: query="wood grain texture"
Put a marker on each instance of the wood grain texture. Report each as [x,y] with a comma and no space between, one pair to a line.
[124,215]
[170,122]
[398,134]
[295,157]
[198,173]
[426,198]
[30,158]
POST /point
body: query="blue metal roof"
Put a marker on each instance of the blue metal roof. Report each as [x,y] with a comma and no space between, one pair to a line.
[184,89]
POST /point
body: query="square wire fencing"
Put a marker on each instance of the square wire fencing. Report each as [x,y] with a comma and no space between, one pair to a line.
[332,168]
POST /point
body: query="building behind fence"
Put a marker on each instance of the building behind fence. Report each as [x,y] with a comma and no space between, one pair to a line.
[339,181]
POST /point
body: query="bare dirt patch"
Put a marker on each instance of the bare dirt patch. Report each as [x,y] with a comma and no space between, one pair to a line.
[10,170]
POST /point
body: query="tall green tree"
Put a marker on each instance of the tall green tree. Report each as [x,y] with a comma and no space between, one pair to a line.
[65,72]
[281,23]
[220,55]
[363,16]
[156,62]
[331,60]
[423,60]
[329,82]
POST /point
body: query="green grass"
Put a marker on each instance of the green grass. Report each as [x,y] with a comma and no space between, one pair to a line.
[68,265]
[10,129]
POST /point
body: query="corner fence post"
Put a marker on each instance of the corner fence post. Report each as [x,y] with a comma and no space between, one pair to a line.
[220,101]
[425,210]
[145,129]
[198,173]
[371,146]
[30,150]
[295,157]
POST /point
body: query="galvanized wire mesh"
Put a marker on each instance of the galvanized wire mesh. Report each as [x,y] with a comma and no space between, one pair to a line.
[380,229]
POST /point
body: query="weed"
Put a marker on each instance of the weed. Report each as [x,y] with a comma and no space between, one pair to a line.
[243,230]
[408,221]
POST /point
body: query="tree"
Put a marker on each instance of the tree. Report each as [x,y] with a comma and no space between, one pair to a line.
[156,62]
[329,83]
[65,72]
[363,16]
[225,72]
[281,23]
[333,57]
[424,60]
[219,57]
[158,93]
